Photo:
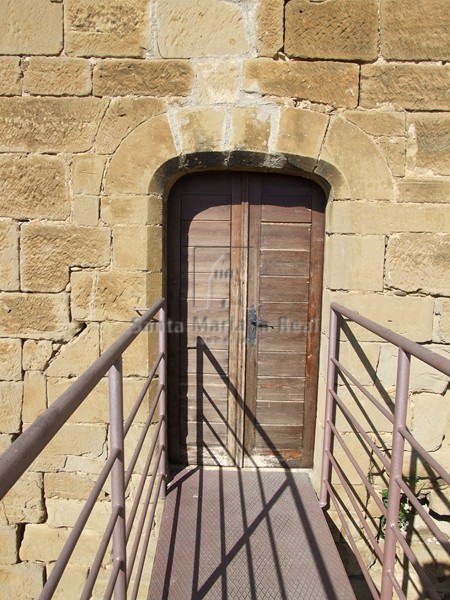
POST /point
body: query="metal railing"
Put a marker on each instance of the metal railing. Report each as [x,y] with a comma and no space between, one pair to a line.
[392,458]
[19,456]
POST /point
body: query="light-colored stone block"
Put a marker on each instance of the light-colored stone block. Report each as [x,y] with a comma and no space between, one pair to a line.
[340,30]
[218,82]
[202,130]
[33,186]
[270,27]
[34,396]
[394,150]
[304,80]
[378,122]
[139,358]
[408,86]
[132,210]
[69,486]
[442,327]
[85,210]
[137,248]
[49,124]
[114,28]
[87,173]
[72,582]
[429,142]
[143,78]
[8,545]
[9,255]
[11,393]
[24,502]
[36,354]
[10,76]
[355,262]
[24,580]
[301,132]
[418,262]
[11,360]
[64,513]
[424,190]
[59,247]
[57,77]
[31,27]
[203,28]
[429,421]
[415,30]
[251,129]
[77,355]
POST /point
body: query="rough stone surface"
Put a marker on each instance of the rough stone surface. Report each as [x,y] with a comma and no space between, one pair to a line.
[202,130]
[418,263]
[394,150]
[87,173]
[37,316]
[304,80]
[132,210]
[11,360]
[69,486]
[428,422]
[24,580]
[33,186]
[379,123]
[203,28]
[72,582]
[443,323]
[31,27]
[251,129]
[124,115]
[64,513]
[415,30]
[24,502]
[60,247]
[270,22]
[424,190]
[301,132]
[114,28]
[76,356]
[49,124]
[11,406]
[408,86]
[9,255]
[143,78]
[36,354]
[218,82]
[340,29]
[85,210]
[57,77]
[355,262]
[8,545]
[432,133]
[138,359]
[34,396]
[138,248]
[10,76]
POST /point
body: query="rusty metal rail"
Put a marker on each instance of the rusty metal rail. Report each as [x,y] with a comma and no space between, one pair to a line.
[392,460]
[19,456]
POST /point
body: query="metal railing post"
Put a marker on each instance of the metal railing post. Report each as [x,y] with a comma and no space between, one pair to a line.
[162,375]
[118,476]
[331,375]
[398,446]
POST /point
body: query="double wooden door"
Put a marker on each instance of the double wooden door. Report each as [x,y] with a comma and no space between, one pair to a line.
[245,253]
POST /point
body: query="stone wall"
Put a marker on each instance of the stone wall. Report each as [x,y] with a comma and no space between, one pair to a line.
[104,104]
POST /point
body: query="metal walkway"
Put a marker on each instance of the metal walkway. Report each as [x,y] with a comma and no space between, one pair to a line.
[245,534]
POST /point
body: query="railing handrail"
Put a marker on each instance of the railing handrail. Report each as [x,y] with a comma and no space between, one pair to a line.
[15,460]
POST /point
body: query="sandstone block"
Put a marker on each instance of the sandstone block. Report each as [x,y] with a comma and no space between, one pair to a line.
[9,255]
[251,129]
[85,210]
[340,30]
[432,133]
[11,361]
[124,115]
[5,441]
[24,580]
[60,247]
[138,359]
[77,355]
[418,262]
[72,582]
[49,124]
[69,486]
[269,27]
[218,82]
[371,419]
[304,80]
[132,210]
[10,406]
[34,396]
[87,173]
[64,513]
[408,86]
[355,263]
[203,28]
[137,248]
[428,423]
[37,316]
[111,296]
[443,322]
[57,77]
[301,132]
[394,150]
[415,30]
[424,190]
[143,78]
[378,123]
[357,448]
[202,130]
[8,545]
[33,186]
[31,27]
[115,28]
[10,76]
[36,354]
[24,502]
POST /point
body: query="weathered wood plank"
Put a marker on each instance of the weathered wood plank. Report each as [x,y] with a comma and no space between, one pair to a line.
[283,289]
[285,237]
[285,262]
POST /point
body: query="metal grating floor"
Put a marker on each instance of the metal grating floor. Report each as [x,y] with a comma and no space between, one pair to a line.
[245,534]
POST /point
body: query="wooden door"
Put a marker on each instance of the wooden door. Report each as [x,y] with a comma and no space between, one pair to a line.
[245,254]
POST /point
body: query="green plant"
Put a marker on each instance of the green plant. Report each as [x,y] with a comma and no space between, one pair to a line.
[405,513]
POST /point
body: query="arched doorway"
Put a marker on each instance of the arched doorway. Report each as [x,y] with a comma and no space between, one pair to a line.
[245,254]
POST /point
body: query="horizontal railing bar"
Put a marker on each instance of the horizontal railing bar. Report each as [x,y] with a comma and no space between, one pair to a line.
[18,457]
[352,542]
[360,472]
[360,430]
[141,485]
[424,454]
[389,416]
[424,354]
[141,397]
[97,563]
